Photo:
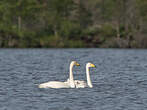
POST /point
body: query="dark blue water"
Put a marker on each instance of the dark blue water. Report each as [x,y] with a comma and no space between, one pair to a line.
[120,79]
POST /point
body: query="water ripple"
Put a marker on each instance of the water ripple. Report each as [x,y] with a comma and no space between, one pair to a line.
[120,79]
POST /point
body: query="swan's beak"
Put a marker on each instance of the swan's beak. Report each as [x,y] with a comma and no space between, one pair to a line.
[77,64]
[92,65]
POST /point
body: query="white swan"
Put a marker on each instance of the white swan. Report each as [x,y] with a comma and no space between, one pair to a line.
[57,84]
[83,84]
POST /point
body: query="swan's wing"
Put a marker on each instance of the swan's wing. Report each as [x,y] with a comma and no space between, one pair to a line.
[80,84]
[79,81]
[54,84]
[67,81]
[75,81]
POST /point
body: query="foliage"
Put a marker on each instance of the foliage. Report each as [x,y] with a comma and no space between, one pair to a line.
[73,23]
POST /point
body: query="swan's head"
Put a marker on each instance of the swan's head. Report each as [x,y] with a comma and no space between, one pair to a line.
[75,63]
[90,65]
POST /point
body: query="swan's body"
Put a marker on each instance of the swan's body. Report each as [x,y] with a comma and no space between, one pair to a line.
[57,84]
[54,84]
[83,84]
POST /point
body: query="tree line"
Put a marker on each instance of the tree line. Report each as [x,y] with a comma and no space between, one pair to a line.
[73,23]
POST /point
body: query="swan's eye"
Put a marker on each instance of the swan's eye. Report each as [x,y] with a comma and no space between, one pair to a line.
[92,65]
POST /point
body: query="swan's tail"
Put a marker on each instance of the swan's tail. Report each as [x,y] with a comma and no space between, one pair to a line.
[41,86]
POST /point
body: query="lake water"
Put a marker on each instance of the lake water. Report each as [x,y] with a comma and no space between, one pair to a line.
[120,79]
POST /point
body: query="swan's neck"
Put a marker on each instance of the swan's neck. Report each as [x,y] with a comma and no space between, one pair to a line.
[88,78]
[71,79]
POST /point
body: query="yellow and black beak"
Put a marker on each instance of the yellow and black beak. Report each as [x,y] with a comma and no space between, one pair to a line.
[92,65]
[77,64]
